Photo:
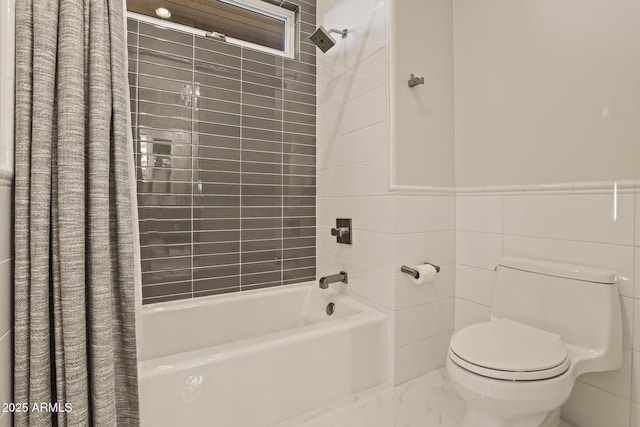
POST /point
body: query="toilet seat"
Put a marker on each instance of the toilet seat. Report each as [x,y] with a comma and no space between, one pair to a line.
[507,350]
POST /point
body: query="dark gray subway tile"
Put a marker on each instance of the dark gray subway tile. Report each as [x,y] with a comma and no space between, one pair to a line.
[306,119]
[148,58]
[208,80]
[165,33]
[261,179]
[258,123]
[165,72]
[166,290]
[299,211]
[167,298]
[294,264]
[216,165]
[163,98]
[218,94]
[216,224]
[298,107]
[215,213]
[265,58]
[262,157]
[155,83]
[268,255]
[290,276]
[298,170]
[307,17]
[163,187]
[262,101]
[299,253]
[258,223]
[208,182]
[217,46]
[265,113]
[266,135]
[203,152]
[291,64]
[308,150]
[308,48]
[293,201]
[228,284]
[261,212]
[210,57]
[267,91]
[132,25]
[216,260]
[299,97]
[299,232]
[263,168]
[260,245]
[299,191]
[299,128]
[299,160]
[154,239]
[150,225]
[213,272]
[297,138]
[307,28]
[255,279]
[216,236]
[294,222]
[307,58]
[290,180]
[257,201]
[262,234]
[217,141]
[299,76]
[264,285]
[216,200]
[150,252]
[218,105]
[164,199]
[156,122]
[257,145]
[160,161]
[262,79]
[165,110]
[261,68]
[166,276]
[164,46]
[298,242]
[261,190]
[216,248]
[261,267]
[217,129]
[164,213]
[161,264]
[217,117]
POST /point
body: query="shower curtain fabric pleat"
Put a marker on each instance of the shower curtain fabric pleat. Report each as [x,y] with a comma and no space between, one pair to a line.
[75,273]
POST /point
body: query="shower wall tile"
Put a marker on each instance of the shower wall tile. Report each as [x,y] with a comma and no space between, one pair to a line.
[225,149]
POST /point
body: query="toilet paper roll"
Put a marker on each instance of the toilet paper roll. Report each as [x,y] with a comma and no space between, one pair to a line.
[427,273]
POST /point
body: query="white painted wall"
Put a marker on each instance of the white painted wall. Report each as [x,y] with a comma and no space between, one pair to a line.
[7,19]
[389,229]
[424,127]
[546,91]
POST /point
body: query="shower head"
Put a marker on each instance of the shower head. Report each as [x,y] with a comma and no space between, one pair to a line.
[322,38]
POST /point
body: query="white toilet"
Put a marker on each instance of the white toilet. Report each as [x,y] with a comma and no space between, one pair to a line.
[550,322]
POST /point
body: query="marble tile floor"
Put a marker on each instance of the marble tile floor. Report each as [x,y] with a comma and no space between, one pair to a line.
[426,401]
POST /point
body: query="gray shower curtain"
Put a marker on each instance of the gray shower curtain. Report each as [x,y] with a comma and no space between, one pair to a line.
[75,339]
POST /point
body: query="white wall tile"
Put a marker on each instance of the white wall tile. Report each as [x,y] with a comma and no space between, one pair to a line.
[361,145]
[584,217]
[616,257]
[635,378]
[418,213]
[589,406]
[635,415]
[6,357]
[371,213]
[360,179]
[365,110]
[467,313]
[617,382]
[422,322]
[437,247]
[408,294]
[368,74]
[479,213]
[482,250]
[628,327]
[637,218]
[637,271]
[416,359]
[6,201]
[474,284]
[5,296]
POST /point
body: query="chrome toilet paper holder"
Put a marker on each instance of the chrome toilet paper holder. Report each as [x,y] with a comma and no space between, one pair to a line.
[415,273]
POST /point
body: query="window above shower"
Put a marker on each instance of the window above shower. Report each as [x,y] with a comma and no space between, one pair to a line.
[257,24]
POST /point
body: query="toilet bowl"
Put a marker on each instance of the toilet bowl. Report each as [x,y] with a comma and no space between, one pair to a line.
[550,322]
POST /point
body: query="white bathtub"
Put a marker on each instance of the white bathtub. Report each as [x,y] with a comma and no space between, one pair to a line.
[255,358]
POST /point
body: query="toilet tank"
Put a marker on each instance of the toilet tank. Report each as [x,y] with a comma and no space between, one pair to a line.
[579,303]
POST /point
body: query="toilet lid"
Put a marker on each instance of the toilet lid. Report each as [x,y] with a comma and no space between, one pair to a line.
[505,349]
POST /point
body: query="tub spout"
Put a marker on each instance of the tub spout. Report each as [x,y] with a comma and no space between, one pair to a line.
[334,278]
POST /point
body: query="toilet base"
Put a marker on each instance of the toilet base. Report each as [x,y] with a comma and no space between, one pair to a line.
[477,418]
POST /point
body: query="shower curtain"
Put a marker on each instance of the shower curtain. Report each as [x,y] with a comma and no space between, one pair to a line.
[75,238]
